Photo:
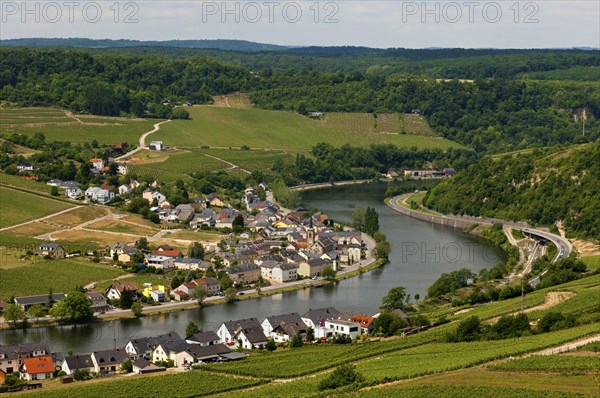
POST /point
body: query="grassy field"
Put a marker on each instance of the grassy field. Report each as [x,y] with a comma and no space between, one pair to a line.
[172,166]
[592,262]
[13,211]
[233,128]
[61,275]
[123,227]
[94,237]
[196,236]
[79,216]
[58,127]
[363,122]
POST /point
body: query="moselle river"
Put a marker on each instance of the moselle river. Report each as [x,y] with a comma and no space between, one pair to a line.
[421,252]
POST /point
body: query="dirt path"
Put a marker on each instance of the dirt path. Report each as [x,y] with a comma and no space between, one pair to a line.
[142,141]
[232,166]
[552,299]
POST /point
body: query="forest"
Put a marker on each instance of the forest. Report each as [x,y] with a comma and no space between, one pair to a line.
[542,186]
[493,113]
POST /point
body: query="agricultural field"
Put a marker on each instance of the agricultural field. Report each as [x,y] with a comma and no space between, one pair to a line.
[79,216]
[13,211]
[202,236]
[417,125]
[251,160]
[123,227]
[94,237]
[363,122]
[550,363]
[181,385]
[60,275]
[17,181]
[58,126]
[35,228]
[234,100]
[232,128]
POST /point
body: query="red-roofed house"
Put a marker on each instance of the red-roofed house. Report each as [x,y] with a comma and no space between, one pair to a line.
[38,368]
[115,291]
[167,253]
[211,285]
[97,163]
[366,322]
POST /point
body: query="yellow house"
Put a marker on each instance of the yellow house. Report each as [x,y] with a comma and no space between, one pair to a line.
[159,293]
[284,224]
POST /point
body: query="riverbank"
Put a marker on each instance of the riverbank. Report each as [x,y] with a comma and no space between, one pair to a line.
[399,204]
[365,265]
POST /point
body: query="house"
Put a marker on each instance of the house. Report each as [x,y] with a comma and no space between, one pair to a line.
[228,330]
[144,366]
[99,302]
[272,322]
[316,115]
[99,195]
[350,254]
[316,319]
[24,167]
[143,347]
[204,338]
[339,327]
[114,292]
[191,263]
[109,361]
[313,267]
[251,337]
[183,353]
[128,254]
[286,331]
[366,322]
[244,273]
[97,163]
[73,193]
[392,174]
[285,272]
[158,293]
[213,200]
[51,250]
[12,356]
[168,253]
[211,285]
[77,362]
[27,301]
[161,262]
[150,196]
[37,368]
[156,146]
[122,168]
[124,189]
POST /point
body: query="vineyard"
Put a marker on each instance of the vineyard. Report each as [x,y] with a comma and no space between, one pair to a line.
[13,212]
[259,129]
[417,125]
[61,275]
[189,384]
[550,363]
[448,391]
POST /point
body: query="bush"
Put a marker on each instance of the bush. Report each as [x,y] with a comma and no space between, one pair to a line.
[343,375]
[296,341]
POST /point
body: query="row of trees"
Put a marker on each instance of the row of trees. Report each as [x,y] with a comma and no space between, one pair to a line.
[75,308]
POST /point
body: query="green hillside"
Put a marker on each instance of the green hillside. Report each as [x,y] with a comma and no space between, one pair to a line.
[540,186]
[228,127]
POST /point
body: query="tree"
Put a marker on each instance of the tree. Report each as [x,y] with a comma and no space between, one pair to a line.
[343,375]
[126,300]
[371,221]
[54,191]
[142,243]
[127,366]
[49,299]
[78,307]
[387,323]
[394,299]
[296,341]
[14,313]
[230,294]
[310,334]
[196,250]
[199,293]
[271,345]
[329,273]
[358,218]
[468,329]
[136,308]
[238,223]
[59,310]
[36,311]
[191,329]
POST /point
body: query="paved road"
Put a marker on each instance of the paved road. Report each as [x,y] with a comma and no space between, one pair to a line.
[563,245]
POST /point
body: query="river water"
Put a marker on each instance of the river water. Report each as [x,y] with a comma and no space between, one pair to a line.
[420,253]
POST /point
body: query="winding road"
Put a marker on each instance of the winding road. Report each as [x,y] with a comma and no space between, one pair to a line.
[142,141]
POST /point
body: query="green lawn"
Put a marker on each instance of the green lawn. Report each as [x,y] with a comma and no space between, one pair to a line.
[18,206]
[592,262]
[27,184]
[38,275]
[233,128]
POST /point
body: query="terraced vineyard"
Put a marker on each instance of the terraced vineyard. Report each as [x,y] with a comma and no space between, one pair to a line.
[13,212]
[550,363]
[417,125]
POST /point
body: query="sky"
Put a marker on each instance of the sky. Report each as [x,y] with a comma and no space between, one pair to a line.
[381,24]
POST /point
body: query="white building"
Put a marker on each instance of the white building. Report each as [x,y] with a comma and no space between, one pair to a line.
[338,327]
[156,146]
[99,195]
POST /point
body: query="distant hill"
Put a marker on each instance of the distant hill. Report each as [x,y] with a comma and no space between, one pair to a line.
[219,44]
[541,185]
